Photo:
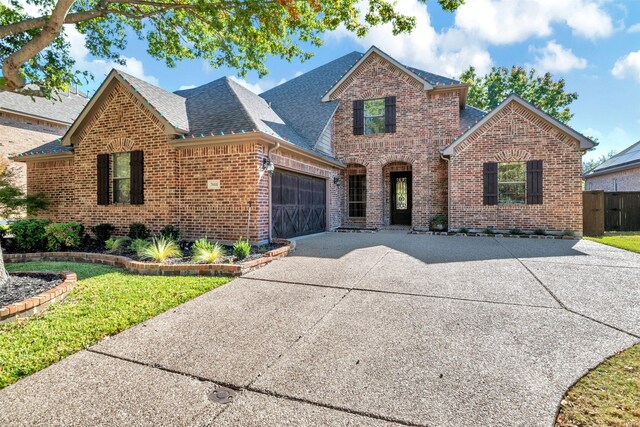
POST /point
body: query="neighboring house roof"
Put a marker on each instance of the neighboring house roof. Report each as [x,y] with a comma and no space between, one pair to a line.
[585,143]
[626,159]
[63,109]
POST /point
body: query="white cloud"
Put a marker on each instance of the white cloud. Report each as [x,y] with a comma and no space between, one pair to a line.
[99,67]
[185,87]
[509,21]
[635,28]
[628,66]
[556,58]
[448,53]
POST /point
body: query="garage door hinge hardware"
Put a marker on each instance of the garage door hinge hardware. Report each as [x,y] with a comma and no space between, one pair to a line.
[222,395]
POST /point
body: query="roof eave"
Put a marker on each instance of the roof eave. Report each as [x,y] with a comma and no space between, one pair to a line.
[35,116]
[47,156]
[631,165]
[585,143]
[372,50]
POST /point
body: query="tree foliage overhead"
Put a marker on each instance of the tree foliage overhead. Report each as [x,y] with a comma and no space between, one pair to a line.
[487,92]
[236,33]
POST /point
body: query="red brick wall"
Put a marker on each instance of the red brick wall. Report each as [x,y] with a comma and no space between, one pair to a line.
[175,179]
[515,134]
[425,123]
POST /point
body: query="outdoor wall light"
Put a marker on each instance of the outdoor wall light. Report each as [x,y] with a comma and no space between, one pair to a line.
[337,180]
[268,166]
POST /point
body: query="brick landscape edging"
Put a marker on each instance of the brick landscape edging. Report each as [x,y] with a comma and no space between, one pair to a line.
[512,236]
[36,304]
[157,269]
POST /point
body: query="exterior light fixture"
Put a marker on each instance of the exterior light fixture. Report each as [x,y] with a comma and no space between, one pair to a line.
[268,166]
[337,181]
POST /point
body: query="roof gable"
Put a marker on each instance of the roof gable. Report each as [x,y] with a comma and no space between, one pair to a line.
[165,109]
[585,143]
[373,50]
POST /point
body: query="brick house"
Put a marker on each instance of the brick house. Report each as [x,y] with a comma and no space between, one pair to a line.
[27,123]
[362,141]
[620,173]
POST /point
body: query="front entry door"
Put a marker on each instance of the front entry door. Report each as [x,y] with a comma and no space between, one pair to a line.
[401,198]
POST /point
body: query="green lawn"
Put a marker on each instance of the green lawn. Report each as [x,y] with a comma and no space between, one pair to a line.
[628,241]
[105,301]
[607,396]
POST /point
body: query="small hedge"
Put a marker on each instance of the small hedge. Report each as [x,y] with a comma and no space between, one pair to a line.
[29,234]
[66,235]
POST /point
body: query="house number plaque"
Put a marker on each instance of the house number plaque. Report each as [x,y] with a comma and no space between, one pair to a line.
[213,184]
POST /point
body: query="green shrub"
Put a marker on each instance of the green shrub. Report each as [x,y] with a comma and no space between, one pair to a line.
[205,251]
[170,232]
[116,245]
[488,231]
[568,232]
[160,249]
[241,249]
[439,219]
[65,235]
[139,245]
[463,230]
[138,231]
[516,231]
[103,232]
[29,234]
[539,232]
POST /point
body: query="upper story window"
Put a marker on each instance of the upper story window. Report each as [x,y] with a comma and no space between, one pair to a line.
[512,183]
[373,116]
[122,177]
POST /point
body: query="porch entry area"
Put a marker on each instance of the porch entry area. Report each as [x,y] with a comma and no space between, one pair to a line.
[378,195]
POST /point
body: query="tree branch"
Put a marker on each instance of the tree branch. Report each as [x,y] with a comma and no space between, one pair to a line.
[50,31]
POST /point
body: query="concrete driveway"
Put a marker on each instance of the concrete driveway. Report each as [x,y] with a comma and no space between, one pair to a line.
[361,329]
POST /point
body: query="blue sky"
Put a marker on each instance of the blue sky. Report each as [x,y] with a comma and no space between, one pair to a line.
[593,44]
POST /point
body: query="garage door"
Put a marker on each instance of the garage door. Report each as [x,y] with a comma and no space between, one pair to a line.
[298,204]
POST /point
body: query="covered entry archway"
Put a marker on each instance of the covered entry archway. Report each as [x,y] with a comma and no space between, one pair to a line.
[398,193]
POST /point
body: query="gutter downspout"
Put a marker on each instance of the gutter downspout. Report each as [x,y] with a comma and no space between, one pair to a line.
[448,189]
[269,150]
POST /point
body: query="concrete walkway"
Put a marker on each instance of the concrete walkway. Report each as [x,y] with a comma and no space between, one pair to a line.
[361,329]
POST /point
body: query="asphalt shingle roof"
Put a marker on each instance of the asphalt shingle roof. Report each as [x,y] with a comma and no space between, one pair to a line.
[298,101]
[293,111]
[169,105]
[51,147]
[469,116]
[629,156]
[65,109]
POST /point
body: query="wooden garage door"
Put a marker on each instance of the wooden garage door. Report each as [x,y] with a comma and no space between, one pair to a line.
[298,204]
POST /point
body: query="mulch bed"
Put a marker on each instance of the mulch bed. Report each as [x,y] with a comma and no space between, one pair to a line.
[91,246]
[21,287]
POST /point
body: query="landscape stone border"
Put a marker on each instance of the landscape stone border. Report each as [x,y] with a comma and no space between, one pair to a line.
[505,235]
[36,304]
[156,269]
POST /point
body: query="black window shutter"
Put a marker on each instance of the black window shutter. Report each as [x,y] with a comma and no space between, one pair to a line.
[534,182]
[103,179]
[137,177]
[490,183]
[390,114]
[358,117]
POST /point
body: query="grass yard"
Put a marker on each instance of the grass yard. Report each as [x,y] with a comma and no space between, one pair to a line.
[607,396]
[106,300]
[628,241]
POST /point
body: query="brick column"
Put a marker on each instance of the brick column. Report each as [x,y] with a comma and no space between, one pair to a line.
[374,195]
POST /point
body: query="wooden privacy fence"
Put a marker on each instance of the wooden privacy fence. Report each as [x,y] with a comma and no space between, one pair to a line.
[602,211]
